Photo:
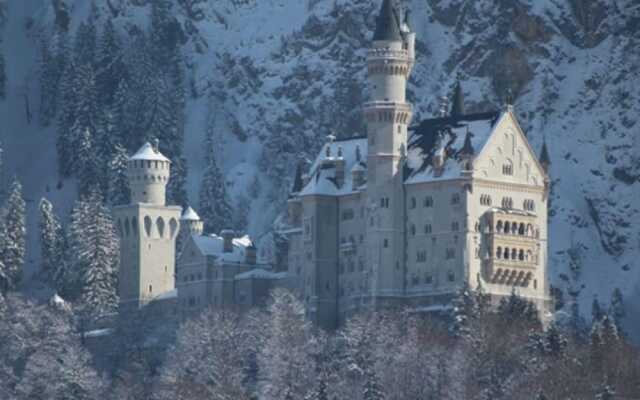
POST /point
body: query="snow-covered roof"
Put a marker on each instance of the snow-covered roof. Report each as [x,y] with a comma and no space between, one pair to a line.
[446,136]
[171,294]
[260,273]
[147,152]
[212,245]
[323,172]
[190,215]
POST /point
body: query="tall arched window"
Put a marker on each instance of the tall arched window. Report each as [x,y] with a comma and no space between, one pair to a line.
[147,225]
[160,225]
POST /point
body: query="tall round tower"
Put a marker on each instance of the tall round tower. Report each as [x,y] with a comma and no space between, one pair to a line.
[387,115]
[148,173]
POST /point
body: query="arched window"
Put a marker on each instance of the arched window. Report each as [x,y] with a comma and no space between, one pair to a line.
[428,201]
[499,227]
[413,203]
[507,168]
[521,229]
[499,252]
[507,227]
[506,253]
[427,229]
[147,225]
[413,230]
[514,254]
[173,227]
[455,198]
[521,255]
[160,225]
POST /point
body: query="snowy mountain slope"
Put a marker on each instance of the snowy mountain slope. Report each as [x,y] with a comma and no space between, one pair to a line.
[273,78]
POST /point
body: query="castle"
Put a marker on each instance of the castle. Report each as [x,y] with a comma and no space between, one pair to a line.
[402,217]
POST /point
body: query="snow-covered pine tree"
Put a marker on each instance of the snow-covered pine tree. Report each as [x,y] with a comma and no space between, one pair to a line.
[606,392]
[3,75]
[617,305]
[88,171]
[464,306]
[94,249]
[84,47]
[14,244]
[176,188]
[241,213]
[119,193]
[285,364]
[372,388]
[516,308]
[214,201]
[66,120]
[52,244]
[110,64]
[596,310]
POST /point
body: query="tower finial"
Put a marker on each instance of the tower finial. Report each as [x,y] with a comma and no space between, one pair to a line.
[457,106]
[509,100]
[545,160]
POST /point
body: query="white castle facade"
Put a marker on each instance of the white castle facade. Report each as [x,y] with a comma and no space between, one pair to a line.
[399,218]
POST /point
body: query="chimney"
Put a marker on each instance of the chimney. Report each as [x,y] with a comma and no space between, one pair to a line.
[227,237]
[252,255]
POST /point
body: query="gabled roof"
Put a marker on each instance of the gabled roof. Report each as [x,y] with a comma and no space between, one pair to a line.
[212,245]
[148,153]
[322,172]
[450,135]
[387,23]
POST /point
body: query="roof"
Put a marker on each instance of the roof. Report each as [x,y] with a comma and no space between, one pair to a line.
[387,24]
[260,273]
[448,135]
[322,172]
[212,245]
[190,215]
[147,152]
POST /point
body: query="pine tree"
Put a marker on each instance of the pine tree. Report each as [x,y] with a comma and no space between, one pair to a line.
[372,388]
[111,68]
[66,120]
[88,171]
[52,244]
[214,202]
[617,305]
[95,253]
[119,192]
[596,310]
[464,306]
[85,44]
[241,214]
[3,76]
[14,243]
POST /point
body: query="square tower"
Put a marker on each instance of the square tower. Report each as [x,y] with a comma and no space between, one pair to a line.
[148,230]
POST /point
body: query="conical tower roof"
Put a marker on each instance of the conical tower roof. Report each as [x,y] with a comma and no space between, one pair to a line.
[467,148]
[544,154]
[190,215]
[387,25]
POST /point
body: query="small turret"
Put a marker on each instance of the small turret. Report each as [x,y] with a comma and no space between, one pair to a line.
[467,152]
[148,172]
[191,222]
[545,161]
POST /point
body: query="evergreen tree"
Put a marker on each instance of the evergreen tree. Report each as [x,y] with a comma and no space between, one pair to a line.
[52,244]
[85,44]
[95,253]
[14,241]
[119,192]
[87,158]
[110,64]
[464,306]
[241,213]
[617,305]
[596,310]
[516,308]
[176,188]
[66,120]
[214,202]
[3,76]
[372,388]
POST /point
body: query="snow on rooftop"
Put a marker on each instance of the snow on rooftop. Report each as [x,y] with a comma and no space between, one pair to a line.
[260,273]
[213,245]
[190,215]
[147,152]
[322,173]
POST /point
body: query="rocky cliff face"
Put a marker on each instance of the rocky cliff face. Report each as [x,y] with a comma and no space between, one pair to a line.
[273,78]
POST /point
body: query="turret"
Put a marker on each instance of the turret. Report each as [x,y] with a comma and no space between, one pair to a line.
[148,172]
[191,222]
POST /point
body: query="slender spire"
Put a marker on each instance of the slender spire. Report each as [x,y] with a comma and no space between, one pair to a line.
[387,25]
[297,181]
[457,105]
[544,156]
[467,148]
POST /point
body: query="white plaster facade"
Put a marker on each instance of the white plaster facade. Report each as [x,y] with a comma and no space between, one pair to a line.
[399,219]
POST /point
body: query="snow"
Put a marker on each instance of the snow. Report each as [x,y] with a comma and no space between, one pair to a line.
[260,273]
[190,215]
[171,294]
[98,333]
[212,245]
[148,153]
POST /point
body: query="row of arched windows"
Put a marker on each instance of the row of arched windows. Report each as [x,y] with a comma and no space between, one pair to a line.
[513,278]
[150,163]
[515,228]
[428,201]
[151,178]
[129,227]
[529,205]
[485,200]
[507,202]
[513,254]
